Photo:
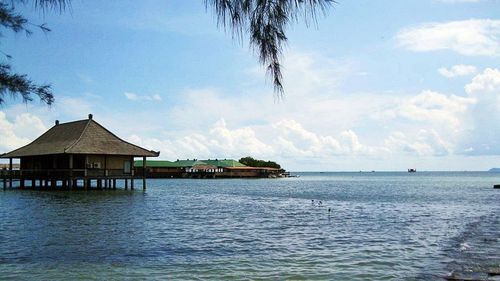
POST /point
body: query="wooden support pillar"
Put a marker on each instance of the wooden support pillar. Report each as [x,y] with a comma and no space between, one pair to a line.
[106,180]
[70,183]
[132,172]
[143,173]
[21,178]
[85,183]
[126,184]
[114,183]
[10,172]
[33,182]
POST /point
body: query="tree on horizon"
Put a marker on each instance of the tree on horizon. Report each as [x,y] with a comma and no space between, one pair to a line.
[252,162]
[265,22]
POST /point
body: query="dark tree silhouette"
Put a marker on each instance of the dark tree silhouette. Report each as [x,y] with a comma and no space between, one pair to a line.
[252,162]
[11,83]
[265,21]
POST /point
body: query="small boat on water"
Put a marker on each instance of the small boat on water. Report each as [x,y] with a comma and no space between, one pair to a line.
[412,170]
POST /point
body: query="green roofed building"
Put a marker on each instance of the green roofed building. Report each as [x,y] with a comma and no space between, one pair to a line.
[155,163]
[223,163]
[210,168]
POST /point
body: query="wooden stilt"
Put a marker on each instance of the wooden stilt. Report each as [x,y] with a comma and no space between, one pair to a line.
[33,183]
[10,173]
[21,182]
[114,183]
[132,173]
[143,173]
[70,180]
[126,184]
[85,183]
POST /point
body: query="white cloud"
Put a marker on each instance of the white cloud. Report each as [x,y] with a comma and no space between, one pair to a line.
[282,139]
[487,82]
[457,70]
[294,140]
[433,108]
[219,141]
[156,97]
[475,37]
[316,127]
[75,107]
[136,97]
[483,136]
[14,134]
[423,143]
[131,96]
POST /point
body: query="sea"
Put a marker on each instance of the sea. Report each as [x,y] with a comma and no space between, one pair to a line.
[318,226]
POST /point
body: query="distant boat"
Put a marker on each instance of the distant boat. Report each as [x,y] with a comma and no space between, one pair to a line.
[412,170]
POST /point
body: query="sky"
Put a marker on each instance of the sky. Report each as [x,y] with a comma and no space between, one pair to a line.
[374,85]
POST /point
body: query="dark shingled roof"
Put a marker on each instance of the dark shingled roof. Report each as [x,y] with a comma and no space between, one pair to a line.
[79,137]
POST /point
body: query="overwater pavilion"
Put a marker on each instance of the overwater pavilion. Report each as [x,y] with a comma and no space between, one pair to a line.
[75,154]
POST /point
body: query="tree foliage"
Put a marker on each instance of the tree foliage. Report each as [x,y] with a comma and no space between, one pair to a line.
[265,21]
[249,161]
[15,84]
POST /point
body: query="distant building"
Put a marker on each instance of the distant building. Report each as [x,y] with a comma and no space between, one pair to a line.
[210,168]
[76,152]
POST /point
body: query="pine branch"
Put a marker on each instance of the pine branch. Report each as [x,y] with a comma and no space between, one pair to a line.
[14,84]
[265,21]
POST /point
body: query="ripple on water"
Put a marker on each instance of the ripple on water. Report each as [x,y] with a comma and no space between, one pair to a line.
[381,227]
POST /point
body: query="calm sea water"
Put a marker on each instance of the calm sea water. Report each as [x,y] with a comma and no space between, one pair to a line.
[382,226]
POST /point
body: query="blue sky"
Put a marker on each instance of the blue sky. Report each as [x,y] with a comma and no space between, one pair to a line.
[375,85]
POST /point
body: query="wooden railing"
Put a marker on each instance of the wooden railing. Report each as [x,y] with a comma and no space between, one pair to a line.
[63,173]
